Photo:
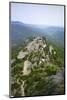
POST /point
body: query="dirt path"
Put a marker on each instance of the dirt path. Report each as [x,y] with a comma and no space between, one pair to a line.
[22,89]
[26,71]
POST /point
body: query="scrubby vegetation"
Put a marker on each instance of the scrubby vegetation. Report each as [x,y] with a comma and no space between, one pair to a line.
[47,65]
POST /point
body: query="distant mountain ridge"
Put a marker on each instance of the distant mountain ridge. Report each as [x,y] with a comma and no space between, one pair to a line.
[20,31]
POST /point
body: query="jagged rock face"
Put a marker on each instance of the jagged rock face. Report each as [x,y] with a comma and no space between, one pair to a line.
[36,44]
[44,45]
[22,54]
[27,67]
[50,49]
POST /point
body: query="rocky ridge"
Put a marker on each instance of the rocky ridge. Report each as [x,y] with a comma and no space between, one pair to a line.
[38,56]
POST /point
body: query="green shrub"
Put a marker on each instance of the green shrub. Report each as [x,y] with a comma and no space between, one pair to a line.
[51,69]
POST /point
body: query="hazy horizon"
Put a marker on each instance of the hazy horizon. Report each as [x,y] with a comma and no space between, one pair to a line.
[49,15]
[37,24]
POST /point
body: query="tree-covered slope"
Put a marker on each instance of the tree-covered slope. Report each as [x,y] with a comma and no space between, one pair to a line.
[20,31]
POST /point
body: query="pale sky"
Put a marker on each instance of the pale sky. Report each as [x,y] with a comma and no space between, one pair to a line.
[50,15]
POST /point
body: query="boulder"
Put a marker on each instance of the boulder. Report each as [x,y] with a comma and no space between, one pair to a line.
[12,61]
[59,77]
[27,67]
[50,49]
[22,54]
